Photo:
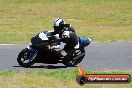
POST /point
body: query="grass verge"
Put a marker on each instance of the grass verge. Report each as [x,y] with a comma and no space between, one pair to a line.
[101,20]
[52,79]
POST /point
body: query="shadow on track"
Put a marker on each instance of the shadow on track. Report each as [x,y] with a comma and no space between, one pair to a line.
[46,67]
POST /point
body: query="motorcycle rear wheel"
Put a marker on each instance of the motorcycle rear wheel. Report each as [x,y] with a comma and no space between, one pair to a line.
[73,62]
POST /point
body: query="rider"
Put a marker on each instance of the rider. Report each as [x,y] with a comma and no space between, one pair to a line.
[67,36]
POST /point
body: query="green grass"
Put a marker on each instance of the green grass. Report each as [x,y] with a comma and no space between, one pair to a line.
[52,79]
[101,20]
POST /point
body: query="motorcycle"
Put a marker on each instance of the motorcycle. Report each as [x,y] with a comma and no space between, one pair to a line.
[39,52]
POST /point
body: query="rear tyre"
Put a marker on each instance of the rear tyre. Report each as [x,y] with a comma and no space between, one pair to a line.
[71,61]
[23,58]
[77,53]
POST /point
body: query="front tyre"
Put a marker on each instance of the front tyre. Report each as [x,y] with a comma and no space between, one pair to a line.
[23,58]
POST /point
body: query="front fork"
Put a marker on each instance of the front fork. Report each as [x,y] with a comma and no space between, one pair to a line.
[32,52]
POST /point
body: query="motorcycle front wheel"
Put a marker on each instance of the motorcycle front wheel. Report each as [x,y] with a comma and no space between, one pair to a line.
[23,58]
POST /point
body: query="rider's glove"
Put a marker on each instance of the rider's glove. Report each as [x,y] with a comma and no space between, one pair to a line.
[52,47]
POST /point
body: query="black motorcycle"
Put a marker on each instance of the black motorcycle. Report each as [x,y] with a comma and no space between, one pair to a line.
[38,52]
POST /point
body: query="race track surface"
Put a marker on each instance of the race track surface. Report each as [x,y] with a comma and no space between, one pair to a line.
[99,56]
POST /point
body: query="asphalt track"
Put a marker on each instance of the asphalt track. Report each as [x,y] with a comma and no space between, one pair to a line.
[99,56]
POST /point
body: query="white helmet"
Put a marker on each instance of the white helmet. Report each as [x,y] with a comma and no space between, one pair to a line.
[58,25]
[58,22]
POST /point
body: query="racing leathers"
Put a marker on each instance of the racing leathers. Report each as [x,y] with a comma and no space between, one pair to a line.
[68,41]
